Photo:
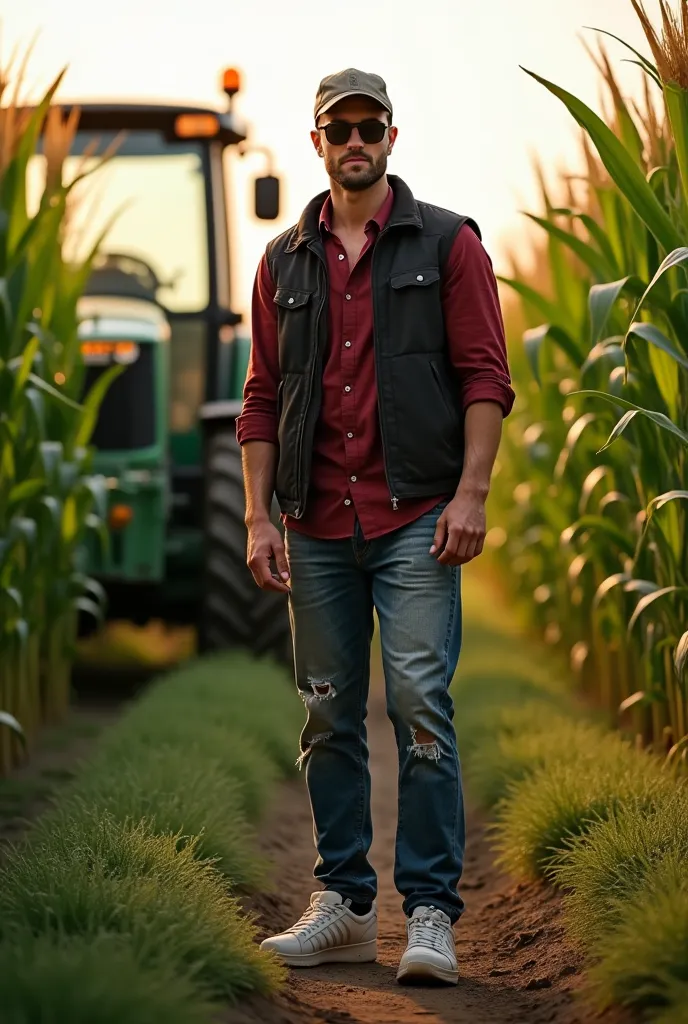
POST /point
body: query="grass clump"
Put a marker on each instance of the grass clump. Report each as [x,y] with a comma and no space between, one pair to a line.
[643,961]
[88,874]
[528,740]
[245,697]
[541,814]
[47,979]
[615,859]
[193,795]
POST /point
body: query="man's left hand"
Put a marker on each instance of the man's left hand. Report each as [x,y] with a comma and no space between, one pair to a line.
[460,531]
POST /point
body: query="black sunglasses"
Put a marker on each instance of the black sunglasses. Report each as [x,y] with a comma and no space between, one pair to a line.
[339,132]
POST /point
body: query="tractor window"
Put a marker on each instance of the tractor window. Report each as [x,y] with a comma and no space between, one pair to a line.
[151,199]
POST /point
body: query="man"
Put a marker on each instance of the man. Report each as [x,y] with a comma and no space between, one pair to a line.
[373,407]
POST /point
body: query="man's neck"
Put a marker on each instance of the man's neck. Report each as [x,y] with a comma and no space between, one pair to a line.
[351,211]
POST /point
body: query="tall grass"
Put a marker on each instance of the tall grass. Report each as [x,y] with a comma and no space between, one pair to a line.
[49,501]
[592,485]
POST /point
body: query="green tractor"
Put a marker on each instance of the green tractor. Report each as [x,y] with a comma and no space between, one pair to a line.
[158,302]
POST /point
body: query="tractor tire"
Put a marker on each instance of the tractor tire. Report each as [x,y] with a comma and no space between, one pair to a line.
[236,613]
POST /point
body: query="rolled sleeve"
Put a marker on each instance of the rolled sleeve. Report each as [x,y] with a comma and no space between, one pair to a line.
[474,324]
[258,419]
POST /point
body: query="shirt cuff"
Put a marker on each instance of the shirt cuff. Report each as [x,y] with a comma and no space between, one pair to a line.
[489,391]
[256,428]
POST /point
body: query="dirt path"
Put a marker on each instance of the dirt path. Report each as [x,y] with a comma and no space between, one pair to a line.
[514,962]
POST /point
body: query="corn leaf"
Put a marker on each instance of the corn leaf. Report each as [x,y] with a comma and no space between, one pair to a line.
[657,417]
[674,259]
[535,338]
[600,525]
[602,299]
[92,404]
[619,163]
[644,62]
[649,599]
[11,722]
[545,308]
[596,261]
[681,657]
[653,335]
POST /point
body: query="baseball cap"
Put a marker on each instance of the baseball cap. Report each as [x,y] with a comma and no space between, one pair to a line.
[351,83]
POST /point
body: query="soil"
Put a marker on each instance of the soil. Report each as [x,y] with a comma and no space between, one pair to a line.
[515,964]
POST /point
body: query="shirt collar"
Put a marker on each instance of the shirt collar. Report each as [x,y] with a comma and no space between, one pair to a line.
[379,220]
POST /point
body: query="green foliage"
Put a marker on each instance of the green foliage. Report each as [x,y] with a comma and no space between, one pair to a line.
[609,865]
[590,540]
[145,852]
[45,979]
[49,501]
[542,812]
[643,961]
[94,875]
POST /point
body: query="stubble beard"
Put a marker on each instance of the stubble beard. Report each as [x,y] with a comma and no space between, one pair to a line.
[357,178]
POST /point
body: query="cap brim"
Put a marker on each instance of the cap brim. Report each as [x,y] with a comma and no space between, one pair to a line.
[344,95]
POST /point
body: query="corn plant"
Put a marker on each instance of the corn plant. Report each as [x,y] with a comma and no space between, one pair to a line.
[593,485]
[48,499]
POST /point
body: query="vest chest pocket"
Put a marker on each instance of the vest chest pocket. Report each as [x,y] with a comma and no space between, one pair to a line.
[291,298]
[419,278]
[295,312]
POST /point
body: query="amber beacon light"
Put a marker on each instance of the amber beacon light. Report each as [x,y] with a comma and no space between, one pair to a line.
[231,82]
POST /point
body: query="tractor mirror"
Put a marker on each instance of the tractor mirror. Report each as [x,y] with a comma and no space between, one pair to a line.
[267,197]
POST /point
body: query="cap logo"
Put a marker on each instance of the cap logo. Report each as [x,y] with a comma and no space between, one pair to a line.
[353,81]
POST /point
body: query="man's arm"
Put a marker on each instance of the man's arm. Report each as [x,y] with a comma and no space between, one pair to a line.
[257,434]
[477,350]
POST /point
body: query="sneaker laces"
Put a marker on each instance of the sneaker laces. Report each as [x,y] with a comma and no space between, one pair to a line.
[429,928]
[317,915]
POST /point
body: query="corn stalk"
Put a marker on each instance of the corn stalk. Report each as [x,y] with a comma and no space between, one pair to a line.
[593,484]
[49,501]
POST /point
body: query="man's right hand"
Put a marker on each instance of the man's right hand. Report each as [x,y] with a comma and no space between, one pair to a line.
[265,544]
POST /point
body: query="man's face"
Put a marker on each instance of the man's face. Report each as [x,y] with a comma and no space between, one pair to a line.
[355,165]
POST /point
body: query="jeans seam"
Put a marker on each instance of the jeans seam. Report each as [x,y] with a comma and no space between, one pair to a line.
[447,682]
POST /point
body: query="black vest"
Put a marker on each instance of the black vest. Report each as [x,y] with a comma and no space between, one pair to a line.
[421,418]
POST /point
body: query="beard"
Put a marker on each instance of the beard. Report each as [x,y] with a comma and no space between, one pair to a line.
[356,178]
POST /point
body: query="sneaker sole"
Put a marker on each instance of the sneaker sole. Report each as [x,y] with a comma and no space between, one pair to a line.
[417,972]
[361,952]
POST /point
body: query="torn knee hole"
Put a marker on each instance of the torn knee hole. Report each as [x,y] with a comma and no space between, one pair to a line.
[321,737]
[423,744]
[321,690]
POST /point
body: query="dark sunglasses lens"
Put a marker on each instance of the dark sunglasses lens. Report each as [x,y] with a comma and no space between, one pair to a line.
[338,133]
[371,131]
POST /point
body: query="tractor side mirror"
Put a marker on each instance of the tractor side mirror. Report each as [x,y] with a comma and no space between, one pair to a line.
[267,197]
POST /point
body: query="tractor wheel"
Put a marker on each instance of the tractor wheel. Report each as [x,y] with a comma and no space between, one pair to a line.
[235,611]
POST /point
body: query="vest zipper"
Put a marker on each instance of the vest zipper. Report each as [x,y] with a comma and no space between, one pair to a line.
[376,351]
[298,511]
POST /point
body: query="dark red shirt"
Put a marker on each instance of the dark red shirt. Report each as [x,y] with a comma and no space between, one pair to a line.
[347,472]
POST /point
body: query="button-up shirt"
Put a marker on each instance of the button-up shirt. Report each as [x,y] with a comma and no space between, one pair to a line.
[347,471]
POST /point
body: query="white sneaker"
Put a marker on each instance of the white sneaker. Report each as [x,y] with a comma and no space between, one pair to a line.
[431,951]
[327,933]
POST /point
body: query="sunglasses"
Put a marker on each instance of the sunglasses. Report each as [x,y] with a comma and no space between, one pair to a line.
[339,132]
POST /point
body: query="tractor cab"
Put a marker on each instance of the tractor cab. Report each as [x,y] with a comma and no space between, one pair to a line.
[158,302]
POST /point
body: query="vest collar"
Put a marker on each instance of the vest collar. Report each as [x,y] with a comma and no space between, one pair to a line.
[405,212]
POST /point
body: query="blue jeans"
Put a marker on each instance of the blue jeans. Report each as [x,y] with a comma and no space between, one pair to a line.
[336,584]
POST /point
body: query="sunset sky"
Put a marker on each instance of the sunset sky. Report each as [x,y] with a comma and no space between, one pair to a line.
[468,117]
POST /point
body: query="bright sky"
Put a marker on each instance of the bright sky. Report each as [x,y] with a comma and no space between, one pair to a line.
[468,117]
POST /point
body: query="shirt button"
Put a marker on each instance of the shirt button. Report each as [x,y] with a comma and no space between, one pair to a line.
[347,501]
[347,297]
[353,479]
[341,255]
[419,278]
[290,301]
[347,344]
[347,388]
[349,434]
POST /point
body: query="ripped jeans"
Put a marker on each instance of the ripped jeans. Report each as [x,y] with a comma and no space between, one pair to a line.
[336,584]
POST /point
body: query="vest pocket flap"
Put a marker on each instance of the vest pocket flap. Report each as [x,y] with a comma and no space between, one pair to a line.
[420,277]
[291,298]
